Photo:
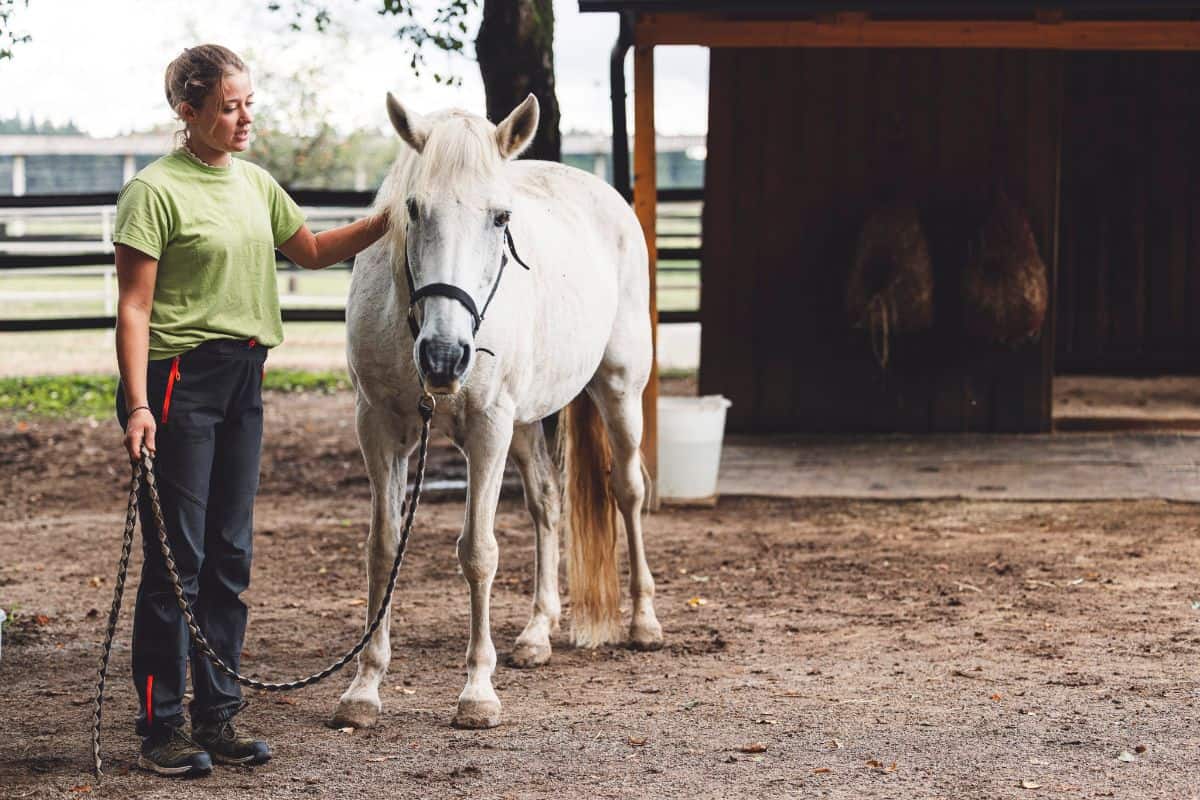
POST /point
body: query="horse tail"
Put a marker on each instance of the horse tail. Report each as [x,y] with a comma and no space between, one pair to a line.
[591,514]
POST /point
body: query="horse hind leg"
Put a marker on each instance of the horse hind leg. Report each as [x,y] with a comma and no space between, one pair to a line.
[540,478]
[386,458]
[620,403]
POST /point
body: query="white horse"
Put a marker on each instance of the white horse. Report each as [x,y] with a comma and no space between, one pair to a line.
[570,330]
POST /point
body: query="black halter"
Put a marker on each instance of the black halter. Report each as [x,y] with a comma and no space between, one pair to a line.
[454,293]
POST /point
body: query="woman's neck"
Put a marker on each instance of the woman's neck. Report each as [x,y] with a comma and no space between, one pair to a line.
[209,155]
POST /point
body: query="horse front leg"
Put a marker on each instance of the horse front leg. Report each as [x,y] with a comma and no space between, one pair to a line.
[386,456]
[540,479]
[486,446]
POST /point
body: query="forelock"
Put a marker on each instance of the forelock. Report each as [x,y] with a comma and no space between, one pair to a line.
[460,158]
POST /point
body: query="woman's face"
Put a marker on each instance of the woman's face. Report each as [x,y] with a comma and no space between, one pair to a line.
[223,123]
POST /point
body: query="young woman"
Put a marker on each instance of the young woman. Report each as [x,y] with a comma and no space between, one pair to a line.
[198,310]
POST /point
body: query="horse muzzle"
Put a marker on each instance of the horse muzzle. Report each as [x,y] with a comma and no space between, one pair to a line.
[443,364]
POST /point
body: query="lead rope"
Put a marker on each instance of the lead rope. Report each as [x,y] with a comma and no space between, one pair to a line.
[880,324]
[408,510]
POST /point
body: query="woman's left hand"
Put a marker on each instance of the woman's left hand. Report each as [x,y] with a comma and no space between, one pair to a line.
[384,220]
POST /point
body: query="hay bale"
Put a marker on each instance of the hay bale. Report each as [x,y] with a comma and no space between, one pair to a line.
[1004,285]
[890,287]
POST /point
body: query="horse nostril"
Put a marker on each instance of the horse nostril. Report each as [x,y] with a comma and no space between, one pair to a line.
[424,357]
[463,360]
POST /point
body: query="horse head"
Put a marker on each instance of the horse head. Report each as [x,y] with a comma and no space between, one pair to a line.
[455,204]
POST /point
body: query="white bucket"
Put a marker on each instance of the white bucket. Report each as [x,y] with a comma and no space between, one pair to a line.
[690,431]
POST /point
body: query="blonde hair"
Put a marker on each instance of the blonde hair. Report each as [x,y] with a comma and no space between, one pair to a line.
[196,73]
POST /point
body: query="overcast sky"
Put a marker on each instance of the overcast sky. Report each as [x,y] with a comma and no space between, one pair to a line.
[101,63]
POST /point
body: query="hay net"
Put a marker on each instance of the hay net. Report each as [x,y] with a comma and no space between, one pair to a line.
[890,287]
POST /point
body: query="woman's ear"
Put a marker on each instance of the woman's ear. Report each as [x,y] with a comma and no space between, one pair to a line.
[187,113]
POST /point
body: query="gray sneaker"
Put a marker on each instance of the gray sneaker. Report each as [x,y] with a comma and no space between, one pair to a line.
[174,754]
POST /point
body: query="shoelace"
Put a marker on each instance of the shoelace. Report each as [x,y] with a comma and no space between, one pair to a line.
[227,724]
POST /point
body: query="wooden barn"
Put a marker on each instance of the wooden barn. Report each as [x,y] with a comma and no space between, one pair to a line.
[1084,117]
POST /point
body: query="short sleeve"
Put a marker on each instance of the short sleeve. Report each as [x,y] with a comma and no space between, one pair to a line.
[286,216]
[143,219]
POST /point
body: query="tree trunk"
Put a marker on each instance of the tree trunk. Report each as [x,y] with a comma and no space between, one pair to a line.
[515,48]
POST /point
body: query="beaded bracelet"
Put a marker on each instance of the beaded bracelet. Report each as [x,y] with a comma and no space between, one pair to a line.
[138,408]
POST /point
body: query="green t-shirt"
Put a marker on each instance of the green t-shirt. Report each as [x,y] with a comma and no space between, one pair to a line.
[214,231]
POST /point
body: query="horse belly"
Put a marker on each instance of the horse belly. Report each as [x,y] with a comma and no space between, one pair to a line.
[566,352]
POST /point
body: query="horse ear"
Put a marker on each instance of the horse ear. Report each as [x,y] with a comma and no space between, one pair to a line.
[516,132]
[411,126]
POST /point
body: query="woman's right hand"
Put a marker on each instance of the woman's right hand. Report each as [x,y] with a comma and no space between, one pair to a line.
[139,430]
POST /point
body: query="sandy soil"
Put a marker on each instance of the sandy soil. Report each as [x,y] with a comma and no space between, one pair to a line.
[815,648]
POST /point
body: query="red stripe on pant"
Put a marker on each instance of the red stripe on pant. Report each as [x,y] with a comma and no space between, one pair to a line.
[174,376]
[149,698]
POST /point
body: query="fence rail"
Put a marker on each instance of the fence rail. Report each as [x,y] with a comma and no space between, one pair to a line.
[305,197]
[10,208]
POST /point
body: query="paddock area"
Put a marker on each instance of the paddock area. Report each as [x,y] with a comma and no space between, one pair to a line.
[842,648]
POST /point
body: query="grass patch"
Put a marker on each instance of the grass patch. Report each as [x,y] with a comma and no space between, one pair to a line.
[79,396]
[21,626]
[58,396]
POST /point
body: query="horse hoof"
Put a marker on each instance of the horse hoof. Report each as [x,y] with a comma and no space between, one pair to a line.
[528,656]
[355,714]
[646,638]
[477,715]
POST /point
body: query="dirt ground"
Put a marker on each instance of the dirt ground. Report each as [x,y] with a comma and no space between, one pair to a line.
[816,648]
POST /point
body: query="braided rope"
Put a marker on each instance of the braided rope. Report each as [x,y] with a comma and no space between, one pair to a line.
[407,510]
[118,592]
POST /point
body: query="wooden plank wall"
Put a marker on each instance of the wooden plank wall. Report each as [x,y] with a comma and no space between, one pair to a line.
[1129,275]
[803,144]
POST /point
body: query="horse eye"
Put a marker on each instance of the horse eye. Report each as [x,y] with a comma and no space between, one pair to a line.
[412,209]
[502,219]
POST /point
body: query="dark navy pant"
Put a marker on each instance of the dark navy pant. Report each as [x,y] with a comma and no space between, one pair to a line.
[208,405]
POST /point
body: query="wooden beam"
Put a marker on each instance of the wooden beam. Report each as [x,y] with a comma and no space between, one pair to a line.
[855,31]
[645,204]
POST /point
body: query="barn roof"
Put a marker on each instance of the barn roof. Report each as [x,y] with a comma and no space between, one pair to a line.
[1079,9]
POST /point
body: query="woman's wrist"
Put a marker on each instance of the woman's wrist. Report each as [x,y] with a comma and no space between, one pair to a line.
[139,407]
